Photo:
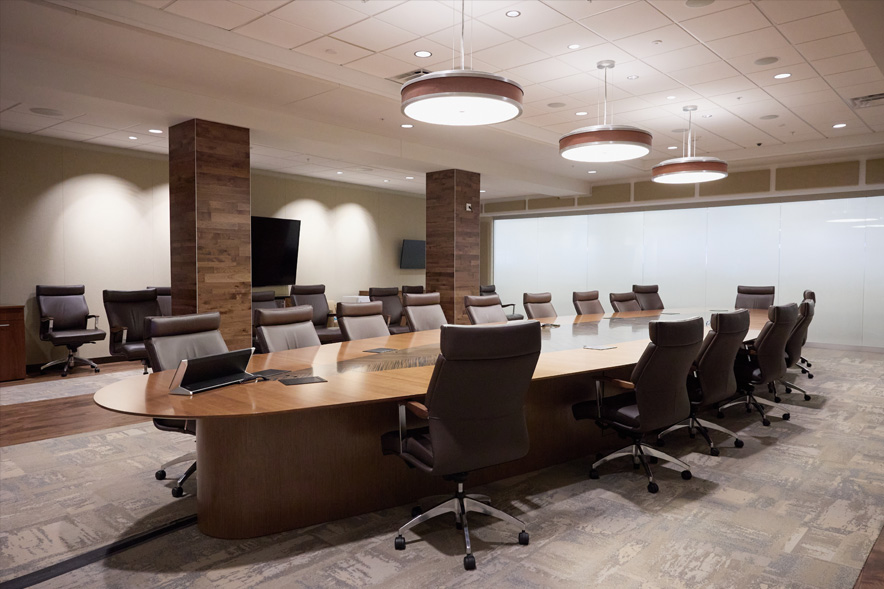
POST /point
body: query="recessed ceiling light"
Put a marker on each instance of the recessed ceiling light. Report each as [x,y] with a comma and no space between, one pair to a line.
[670,98]
[133,137]
[422,54]
[767,60]
[839,126]
[407,126]
[339,173]
[656,42]
[672,147]
[707,116]
[481,191]
[513,13]
[591,172]
[157,131]
[386,180]
[556,104]
[409,177]
[581,113]
[632,77]
[769,117]
[573,46]
[782,76]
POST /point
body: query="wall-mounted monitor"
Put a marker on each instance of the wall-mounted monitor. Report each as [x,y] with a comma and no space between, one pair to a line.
[414,254]
[274,251]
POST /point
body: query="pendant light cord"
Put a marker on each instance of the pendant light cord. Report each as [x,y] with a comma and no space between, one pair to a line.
[463,19]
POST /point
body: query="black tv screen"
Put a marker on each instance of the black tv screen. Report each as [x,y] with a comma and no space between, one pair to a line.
[274,251]
[414,254]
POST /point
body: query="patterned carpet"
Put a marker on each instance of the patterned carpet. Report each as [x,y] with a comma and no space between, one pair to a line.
[799,506]
[60,387]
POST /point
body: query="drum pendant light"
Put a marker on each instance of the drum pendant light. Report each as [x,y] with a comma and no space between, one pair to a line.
[689,169]
[605,142]
[461,97]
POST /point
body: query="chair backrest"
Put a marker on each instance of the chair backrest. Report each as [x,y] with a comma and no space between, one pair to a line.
[754,297]
[169,340]
[798,336]
[487,289]
[262,299]
[770,345]
[129,308]
[476,396]
[624,301]
[809,294]
[423,311]
[484,309]
[362,320]
[647,296]
[661,374]
[389,298]
[65,304]
[313,295]
[164,298]
[587,302]
[412,289]
[287,328]
[538,304]
[715,362]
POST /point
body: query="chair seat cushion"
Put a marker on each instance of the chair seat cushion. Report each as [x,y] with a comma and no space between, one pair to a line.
[418,449]
[622,410]
[394,329]
[76,336]
[133,350]
[514,317]
[329,335]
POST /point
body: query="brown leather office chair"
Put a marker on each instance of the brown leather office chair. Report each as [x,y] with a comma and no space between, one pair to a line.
[64,318]
[286,328]
[484,309]
[314,295]
[362,320]
[538,304]
[261,299]
[795,343]
[647,296]
[418,289]
[654,398]
[623,302]
[490,289]
[711,380]
[475,415]
[423,311]
[389,298]
[587,303]
[763,362]
[754,297]
[126,311]
[168,341]
[164,298]
[803,363]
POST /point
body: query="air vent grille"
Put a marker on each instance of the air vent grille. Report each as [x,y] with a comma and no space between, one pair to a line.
[867,101]
[410,75]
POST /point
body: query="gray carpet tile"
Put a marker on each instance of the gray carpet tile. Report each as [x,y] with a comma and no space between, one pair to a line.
[11,393]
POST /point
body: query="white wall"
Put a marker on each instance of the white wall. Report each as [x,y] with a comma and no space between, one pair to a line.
[699,256]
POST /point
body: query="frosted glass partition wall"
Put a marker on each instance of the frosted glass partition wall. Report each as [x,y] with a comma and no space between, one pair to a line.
[699,256]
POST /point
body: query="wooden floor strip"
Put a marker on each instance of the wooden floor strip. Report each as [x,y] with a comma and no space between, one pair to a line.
[872,574]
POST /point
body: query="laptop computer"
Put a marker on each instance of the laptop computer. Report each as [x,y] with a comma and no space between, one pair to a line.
[195,375]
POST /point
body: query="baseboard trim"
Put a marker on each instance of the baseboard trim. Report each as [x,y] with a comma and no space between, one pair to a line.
[847,348]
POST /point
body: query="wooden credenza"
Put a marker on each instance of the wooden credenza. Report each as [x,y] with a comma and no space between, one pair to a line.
[12,343]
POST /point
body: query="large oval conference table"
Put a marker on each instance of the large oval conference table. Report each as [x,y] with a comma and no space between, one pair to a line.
[273,457]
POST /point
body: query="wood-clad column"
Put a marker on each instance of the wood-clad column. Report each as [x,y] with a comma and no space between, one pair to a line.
[210,225]
[453,239]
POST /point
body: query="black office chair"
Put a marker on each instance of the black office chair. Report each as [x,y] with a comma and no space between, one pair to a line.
[654,398]
[168,341]
[538,305]
[362,320]
[423,311]
[754,297]
[623,302]
[711,380]
[314,295]
[490,289]
[794,345]
[126,311]
[64,318]
[587,303]
[164,298]
[389,298]
[647,296]
[484,309]
[763,362]
[287,328]
[475,415]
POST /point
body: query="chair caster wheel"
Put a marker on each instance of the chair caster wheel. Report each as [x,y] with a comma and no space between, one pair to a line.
[787,416]
[765,422]
[458,525]
[719,415]
[777,399]
[160,475]
[98,370]
[653,488]
[635,465]
[807,397]
[469,562]
[177,492]
[660,442]
[523,538]
[788,390]
[653,459]
[692,435]
[748,409]
[593,474]
[714,451]
[739,443]
[416,511]
[809,375]
[686,475]
[399,543]
[64,374]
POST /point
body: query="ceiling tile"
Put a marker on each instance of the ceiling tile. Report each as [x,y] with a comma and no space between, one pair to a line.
[800,71]
[708,72]
[783,11]
[278,32]
[83,129]
[647,83]
[372,7]
[534,17]
[587,59]
[626,21]
[420,18]
[741,97]
[767,40]
[509,55]
[852,78]
[61,134]
[793,100]
[679,11]
[869,88]
[32,122]
[787,56]
[831,46]
[481,37]
[726,23]
[405,52]
[817,27]
[656,41]
[119,119]
[329,49]
[871,115]
[324,17]
[453,64]
[723,86]
[542,71]
[844,63]
[155,3]
[374,35]
[125,136]
[380,65]
[538,92]
[682,96]
[579,10]
[573,84]
[797,87]
[550,118]
[219,13]
[682,58]
[555,41]
[264,6]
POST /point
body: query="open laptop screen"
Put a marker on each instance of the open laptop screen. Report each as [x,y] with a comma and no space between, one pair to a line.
[195,375]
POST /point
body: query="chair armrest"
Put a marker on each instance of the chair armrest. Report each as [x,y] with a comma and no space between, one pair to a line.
[49,320]
[511,305]
[419,409]
[623,384]
[120,328]
[387,319]
[95,326]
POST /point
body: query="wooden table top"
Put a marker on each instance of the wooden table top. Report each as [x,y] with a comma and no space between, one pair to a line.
[356,376]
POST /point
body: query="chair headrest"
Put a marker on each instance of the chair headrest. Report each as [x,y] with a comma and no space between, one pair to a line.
[685,332]
[420,300]
[162,291]
[759,290]
[645,288]
[589,295]
[306,289]
[129,296]
[181,324]
[383,291]
[487,289]
[809,294]
[360,309]
[263,295]
[284,315]
[733,322]
[783,313]
[475,342]
[413,289]
[44,290]
[483,301]
[536,297]
[622,296]
[806,308]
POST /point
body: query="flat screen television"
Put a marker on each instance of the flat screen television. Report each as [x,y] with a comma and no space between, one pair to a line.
[414,254]
[274,251]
